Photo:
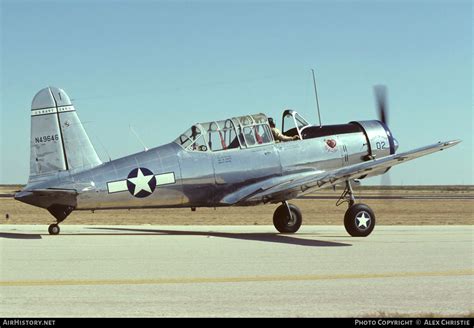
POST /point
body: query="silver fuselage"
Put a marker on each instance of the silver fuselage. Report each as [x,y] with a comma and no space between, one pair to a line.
[202,179]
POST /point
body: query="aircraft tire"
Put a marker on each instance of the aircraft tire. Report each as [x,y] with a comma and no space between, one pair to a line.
[359,220]
[282,222]
[53,229]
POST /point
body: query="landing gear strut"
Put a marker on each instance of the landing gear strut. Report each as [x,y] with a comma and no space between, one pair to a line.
[287,218]
[347,195]
[359,219]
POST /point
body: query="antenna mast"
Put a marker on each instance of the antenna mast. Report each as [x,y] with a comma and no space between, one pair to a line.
[316,95]
[103,147]
[136,135]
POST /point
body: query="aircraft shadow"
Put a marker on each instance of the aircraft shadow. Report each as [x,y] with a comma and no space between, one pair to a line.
[264,237]
[14,235]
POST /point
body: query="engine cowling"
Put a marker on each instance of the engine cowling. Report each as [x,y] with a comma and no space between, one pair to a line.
[380,140]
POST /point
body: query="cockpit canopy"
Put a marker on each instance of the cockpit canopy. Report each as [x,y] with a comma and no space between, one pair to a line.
[237,132]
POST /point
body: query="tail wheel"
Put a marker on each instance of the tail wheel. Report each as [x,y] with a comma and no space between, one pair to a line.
[53,229]
[285,223]
[359,220]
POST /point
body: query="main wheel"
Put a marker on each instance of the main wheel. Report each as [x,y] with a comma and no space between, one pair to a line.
[53,229]
[359,220]
[282,220]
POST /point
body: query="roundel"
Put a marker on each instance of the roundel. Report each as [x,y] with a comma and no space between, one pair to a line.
[141,182]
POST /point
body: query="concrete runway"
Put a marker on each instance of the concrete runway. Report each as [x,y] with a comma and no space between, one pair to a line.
[235,271]
[411,197]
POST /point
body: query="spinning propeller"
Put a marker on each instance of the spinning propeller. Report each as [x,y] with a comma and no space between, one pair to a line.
[380,92]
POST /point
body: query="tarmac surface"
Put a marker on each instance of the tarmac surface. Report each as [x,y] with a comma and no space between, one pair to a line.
[412,197]
[235,271]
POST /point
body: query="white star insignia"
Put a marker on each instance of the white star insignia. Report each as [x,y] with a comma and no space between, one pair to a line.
[363,218]
[141,182]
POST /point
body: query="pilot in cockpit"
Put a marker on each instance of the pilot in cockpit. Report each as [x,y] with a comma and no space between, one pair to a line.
[277,135]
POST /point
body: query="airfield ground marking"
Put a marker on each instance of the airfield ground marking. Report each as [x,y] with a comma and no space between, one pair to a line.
[161,281]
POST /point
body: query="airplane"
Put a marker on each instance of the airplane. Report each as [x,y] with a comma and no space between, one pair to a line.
[229,162]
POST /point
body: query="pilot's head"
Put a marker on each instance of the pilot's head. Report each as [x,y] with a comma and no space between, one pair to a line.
[271,122]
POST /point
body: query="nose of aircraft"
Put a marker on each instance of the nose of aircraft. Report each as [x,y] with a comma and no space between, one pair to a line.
[396,144]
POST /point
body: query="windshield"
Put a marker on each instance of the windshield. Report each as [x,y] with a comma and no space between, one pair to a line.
[293,122]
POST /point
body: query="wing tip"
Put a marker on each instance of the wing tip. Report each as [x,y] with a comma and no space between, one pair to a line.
[450,143]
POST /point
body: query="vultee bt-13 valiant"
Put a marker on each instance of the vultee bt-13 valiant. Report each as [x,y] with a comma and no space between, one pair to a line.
[231,162]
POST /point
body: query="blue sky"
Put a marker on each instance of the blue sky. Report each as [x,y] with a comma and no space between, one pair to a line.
[162,65]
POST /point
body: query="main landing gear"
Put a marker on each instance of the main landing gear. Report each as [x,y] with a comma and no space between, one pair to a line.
[359,219]
[287,218]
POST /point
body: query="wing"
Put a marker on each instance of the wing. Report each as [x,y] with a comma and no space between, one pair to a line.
[290,186]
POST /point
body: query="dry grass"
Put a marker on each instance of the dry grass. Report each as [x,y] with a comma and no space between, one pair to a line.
[315,212]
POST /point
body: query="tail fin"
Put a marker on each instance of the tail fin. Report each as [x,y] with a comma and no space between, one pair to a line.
[58,139]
